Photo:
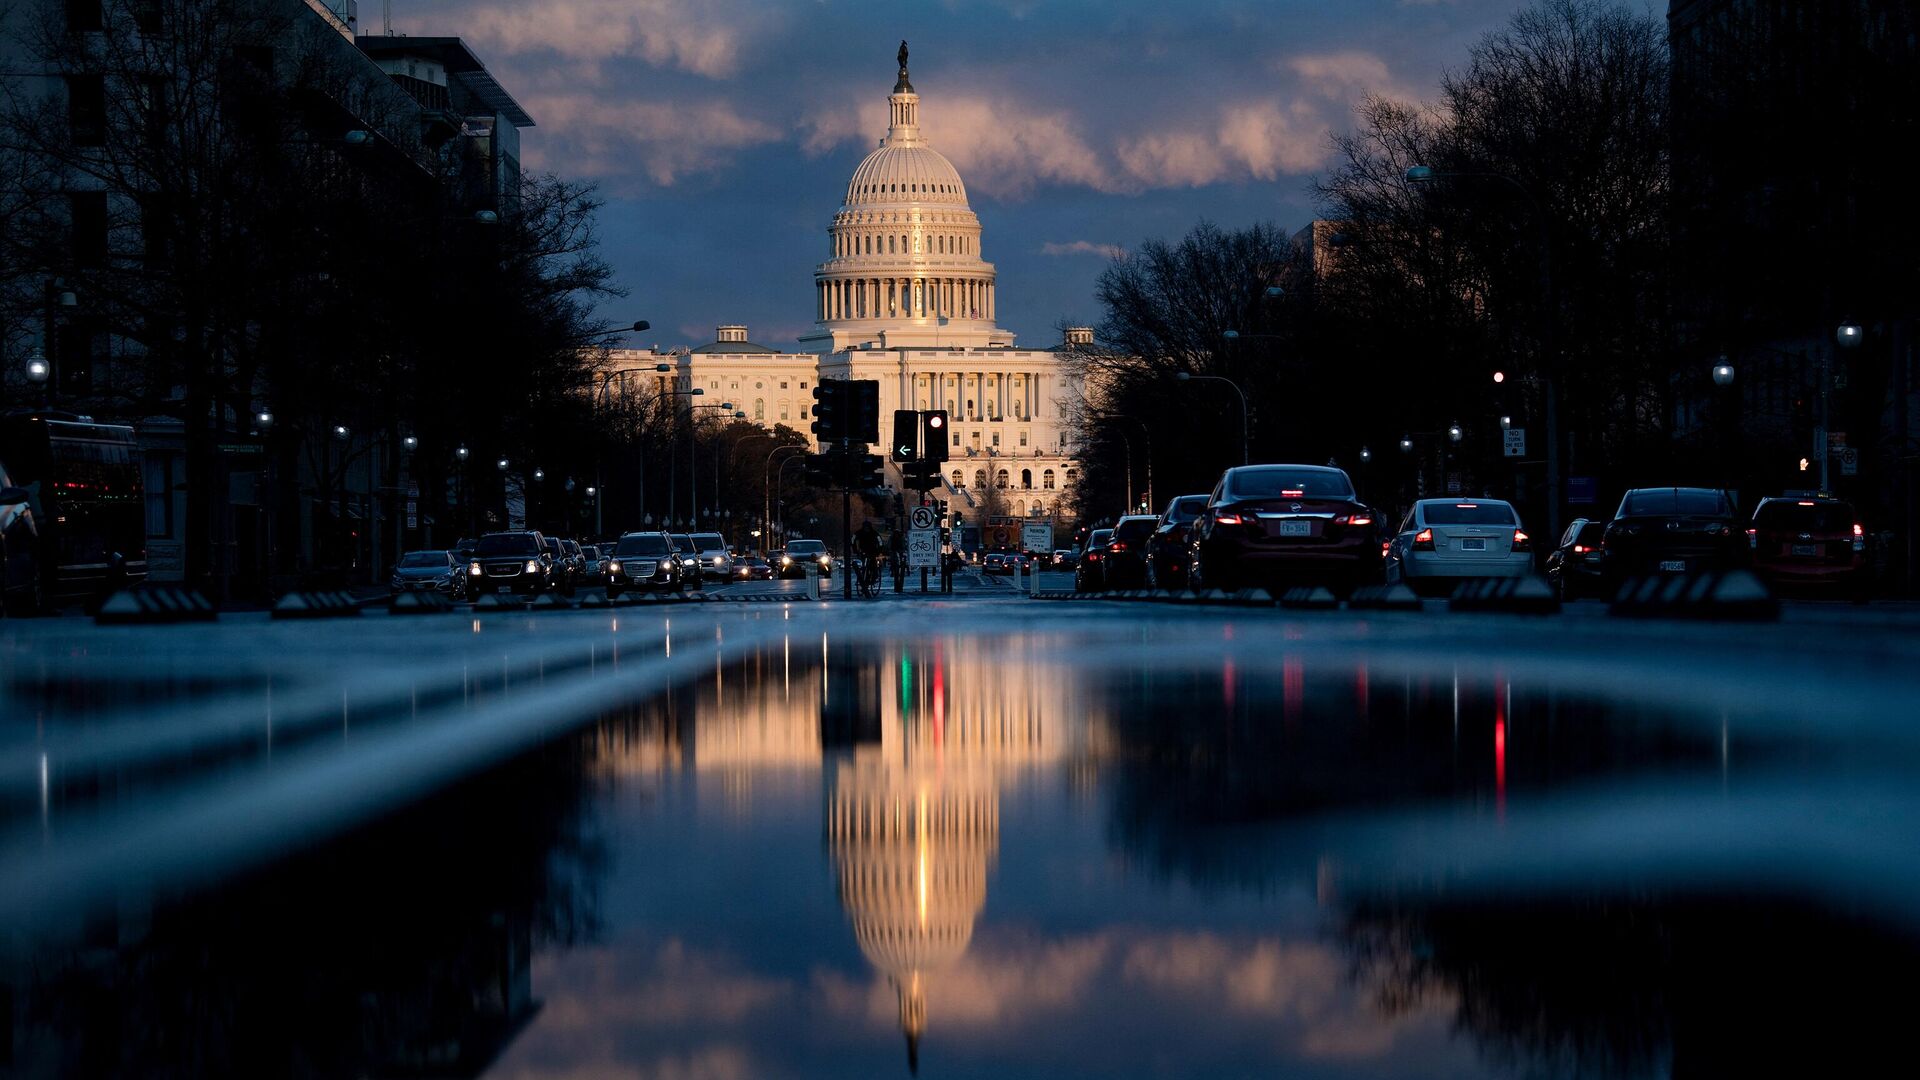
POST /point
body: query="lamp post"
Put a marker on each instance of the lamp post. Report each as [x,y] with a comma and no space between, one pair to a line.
[599,467]
[1188,376]
[767,483]
[1847,335]
[1723,374]
[1549,324]
[693,458]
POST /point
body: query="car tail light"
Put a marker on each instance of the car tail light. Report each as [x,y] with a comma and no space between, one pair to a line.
[1859,537]
[1423,540]
[1228,519]
[1117,545]
[1353,519]
[1858,531]
[1753,538]
[1293,494]
[1581,549]
[1521,542]
[1386,548]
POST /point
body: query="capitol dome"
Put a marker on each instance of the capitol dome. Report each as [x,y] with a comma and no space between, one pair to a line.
[905,266]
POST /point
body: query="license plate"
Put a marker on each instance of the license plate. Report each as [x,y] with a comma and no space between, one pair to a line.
[1296,528]
[1805,549]
[1673,564]
[1476,544]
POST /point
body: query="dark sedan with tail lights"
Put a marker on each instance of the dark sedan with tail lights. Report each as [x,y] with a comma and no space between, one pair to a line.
[1277,525]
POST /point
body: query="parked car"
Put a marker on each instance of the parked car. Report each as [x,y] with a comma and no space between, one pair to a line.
[643,562]
[1126,561]
[1273,524]
[1809,542]
[1671,530]
[1171,542]
[593,564]
[1089,571]
[1442,541]
[424,571]
[799,554]
[715,562]
[1573,567]
[752,568]
[519,562]
[689,556]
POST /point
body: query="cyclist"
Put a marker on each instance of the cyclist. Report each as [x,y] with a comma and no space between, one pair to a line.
[867,543]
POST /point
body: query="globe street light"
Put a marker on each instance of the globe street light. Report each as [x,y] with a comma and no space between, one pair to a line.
[539,474]
[38,369]
[1506,423]
[501,464]
[1406,444]
[263,420]
[461,452]
[410,443]
[1454,432]
[1366,455]
[1848,334]
[341,432]
[1723,373]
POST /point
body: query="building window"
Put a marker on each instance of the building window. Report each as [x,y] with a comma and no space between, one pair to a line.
[1026,479]
[713,384]
[803,384]
[783,384]
[759,409]
[87,110]
[785,409]
[996,438]
[89,227]
[1038,510]
[980,479]
[1073,477]
[1023,437]
[1000,479]
[1046,480]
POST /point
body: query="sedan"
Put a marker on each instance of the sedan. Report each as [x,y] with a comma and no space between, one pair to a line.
[799,554]
[1089,572]
[1443,541]
[1268,524]
[1671,530]
[425,571]
[1170,544]
[1127,551]
[1573,568]
[752,568]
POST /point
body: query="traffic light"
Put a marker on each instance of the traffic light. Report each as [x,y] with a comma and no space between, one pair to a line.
[920,475]
[830,411]
[867,471]
[934,438]
[906,435]
[863,411]
[823,470]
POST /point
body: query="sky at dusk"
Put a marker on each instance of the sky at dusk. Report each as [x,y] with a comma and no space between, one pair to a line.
[722,132]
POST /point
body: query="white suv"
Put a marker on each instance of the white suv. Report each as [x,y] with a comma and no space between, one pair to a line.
[715,562]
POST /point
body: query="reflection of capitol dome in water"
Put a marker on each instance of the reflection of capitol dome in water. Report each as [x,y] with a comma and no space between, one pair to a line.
[911,851]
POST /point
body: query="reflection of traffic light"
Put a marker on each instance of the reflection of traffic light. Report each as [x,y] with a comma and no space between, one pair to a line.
[863,411]
[934,439]
[906,435]
[830,411]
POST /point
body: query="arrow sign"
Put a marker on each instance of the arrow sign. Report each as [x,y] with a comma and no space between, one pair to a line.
[924,517]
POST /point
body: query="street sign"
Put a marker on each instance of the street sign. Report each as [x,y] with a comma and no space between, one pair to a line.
[923,549]
[1849,462]
[1037,538]
[1516,442]
[924,517]
[1583,490]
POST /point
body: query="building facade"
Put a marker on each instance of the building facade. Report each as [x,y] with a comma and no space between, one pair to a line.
[905,299]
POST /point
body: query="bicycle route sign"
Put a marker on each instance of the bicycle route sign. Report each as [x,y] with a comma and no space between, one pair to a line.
[923,547]
[924,517]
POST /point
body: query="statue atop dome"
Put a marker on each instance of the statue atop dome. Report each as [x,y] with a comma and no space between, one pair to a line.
[903,86]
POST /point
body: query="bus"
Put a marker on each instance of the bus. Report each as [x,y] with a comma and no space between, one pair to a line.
[72,513]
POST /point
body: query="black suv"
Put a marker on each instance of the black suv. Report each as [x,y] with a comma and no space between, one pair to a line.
[518,562]
[643,561]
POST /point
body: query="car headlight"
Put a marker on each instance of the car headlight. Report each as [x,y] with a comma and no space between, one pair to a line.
[533,566]
[613,567]
[786,560]
[473,570]
[824,559]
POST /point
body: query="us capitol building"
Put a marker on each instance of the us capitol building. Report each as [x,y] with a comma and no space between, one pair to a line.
[906,300]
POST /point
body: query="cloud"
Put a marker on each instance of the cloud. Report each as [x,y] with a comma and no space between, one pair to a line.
[1000,146]
[1083,247]
[698,36]
[664,141]
[1344,76]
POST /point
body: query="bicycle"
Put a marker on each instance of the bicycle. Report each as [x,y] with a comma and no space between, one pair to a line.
[869,579]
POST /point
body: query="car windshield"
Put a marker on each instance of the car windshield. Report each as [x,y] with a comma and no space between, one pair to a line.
[1276,483]
[1134,528]
[506,544]
[711,542]
[806,547]
[590,552]
[1467,513]
[683,541]
[1099,537]
[644,544]
[1657,501]
[1186,508]
[554,547]
[1783,516]
[414,560]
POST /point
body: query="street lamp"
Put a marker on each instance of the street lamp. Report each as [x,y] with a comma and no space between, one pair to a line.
[1406,444]
[1499,377]
[539,474]
[38,369]
[1506,423]
[1454,432]
[341,432]
[501,464]
[1188,376]
[1848,334]
[462,452]
[1366,455]
[1723,373]
[263,420]
[410,443]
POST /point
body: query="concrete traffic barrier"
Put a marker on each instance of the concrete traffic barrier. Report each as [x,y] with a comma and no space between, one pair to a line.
[1530,595]
[1713,594]
[330,604]
[1253,597]
[595,600]
[1395,597]
[552,602]
[154,604]
[418,603]
[496,602]
[1309,598]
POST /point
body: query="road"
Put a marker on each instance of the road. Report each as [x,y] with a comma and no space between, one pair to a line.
[1153,796]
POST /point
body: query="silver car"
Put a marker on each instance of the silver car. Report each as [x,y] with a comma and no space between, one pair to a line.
[1442,541]
[715,562]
